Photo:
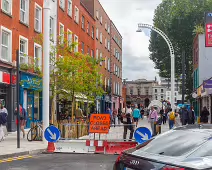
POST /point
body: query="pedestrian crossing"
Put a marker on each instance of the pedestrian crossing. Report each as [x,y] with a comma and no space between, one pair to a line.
[15,158]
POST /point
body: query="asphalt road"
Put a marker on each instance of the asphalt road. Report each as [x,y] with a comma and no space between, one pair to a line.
[62,162]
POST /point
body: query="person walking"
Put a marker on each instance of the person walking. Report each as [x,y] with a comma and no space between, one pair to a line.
[191,116]
[119,116]
[115,117]
[204,115]
[153,117]
[127,121]
[3,121]
[23,118]
[136,115]
[4,110]
[184,115]
[171,118]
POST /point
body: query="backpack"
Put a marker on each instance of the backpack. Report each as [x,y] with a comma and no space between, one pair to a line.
[3,118]
[172,116]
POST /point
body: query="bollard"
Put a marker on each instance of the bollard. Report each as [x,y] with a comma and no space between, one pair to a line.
[77,130]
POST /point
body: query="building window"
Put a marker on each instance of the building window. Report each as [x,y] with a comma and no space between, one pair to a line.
[156,97]
[69,37]
[161,90]
[108,64]
[38,18]
[37,56]
[51,28]
[97,14]
[175,99]
[108,45]
[100,37]
[83,47]
[6,44]
[88,50]
[175,94]
[105,62]
[97,33]
[88,28]
[106,26]
[76,15]
[24,11]
[92,53]
[92,34]
[23,50]
[61,33]
[76,41]
[100,57]
[131,91]
[156,90]
[83,22]
[70,8]
[97,54]
[101,19]
[161,97]
[7,6]
[108,29]
[62,4]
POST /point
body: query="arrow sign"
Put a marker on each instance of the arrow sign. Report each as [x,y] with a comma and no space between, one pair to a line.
[52,134]
[142,134]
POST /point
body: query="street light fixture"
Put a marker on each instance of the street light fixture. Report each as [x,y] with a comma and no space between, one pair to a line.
[140,27]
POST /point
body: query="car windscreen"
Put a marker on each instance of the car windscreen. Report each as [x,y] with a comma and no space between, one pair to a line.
[204,150]
[175,143]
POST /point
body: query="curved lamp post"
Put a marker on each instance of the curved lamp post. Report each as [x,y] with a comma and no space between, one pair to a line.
[171,49]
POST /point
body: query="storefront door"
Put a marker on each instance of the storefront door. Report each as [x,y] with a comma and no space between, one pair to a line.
[30,106]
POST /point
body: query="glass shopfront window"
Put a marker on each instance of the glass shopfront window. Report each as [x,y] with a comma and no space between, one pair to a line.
[36,106]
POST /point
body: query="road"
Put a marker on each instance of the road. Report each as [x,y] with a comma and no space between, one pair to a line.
[62,162]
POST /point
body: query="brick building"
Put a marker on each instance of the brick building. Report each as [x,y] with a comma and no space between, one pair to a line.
[109,47]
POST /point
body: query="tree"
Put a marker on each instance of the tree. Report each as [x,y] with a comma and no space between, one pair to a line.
[178,20]
[72,73]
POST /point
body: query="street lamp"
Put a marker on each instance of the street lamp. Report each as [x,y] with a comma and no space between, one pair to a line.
[46,52]
[171,49]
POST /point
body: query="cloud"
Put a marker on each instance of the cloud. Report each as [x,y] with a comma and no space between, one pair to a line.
[126,14]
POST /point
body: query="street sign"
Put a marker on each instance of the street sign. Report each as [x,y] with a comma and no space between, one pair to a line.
[52,134]
[142,134]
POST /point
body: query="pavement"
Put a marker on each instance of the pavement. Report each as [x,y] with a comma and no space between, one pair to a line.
[62,162]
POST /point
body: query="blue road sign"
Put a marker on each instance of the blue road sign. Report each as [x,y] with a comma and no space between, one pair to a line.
[52,134]
[142,134]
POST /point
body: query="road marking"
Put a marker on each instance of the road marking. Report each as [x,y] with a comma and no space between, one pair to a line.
[15,158]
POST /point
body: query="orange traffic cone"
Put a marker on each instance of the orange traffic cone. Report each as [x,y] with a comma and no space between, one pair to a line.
[51,147]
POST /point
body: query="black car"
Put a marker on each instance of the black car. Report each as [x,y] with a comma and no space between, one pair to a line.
[183,148]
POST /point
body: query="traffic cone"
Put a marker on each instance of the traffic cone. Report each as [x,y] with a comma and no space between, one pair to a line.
[51,147]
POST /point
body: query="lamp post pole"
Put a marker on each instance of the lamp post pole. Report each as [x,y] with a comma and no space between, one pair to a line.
[171,49]
[46,52]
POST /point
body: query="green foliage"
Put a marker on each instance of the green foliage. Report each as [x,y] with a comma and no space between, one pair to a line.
[178,19]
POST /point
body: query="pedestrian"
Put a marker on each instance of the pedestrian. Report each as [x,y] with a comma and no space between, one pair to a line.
[136,115]
[127,121]
[184,115]
[171,118]
[153,116]
[23,118]
[115,117]
[119,116]
[142,113]
[3,121]
[191,118]
[4,110]
[204,115]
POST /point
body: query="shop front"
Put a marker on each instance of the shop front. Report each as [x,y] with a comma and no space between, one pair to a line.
[8,95]
[31,97]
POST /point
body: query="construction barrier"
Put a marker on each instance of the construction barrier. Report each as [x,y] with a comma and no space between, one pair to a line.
[105,143]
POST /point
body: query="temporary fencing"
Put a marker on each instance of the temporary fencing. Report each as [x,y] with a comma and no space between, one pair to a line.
[76,138]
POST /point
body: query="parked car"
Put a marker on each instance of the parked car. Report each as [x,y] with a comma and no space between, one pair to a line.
[183,148]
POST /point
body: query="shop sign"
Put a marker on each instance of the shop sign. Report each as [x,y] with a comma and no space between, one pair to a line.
[208,29]
[99,123]
[31,82]
[207,84]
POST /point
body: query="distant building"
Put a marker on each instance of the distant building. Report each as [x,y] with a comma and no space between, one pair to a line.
[140,92]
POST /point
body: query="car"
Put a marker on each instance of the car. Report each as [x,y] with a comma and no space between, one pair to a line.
[182,148]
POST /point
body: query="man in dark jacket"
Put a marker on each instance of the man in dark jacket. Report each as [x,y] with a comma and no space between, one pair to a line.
[191,119]
[184,115]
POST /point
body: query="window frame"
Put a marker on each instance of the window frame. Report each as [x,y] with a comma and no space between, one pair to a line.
[92,32]
[62,5]
[100,37]
[10,6]
[41,57]
[83,22]
[51,30]
[27,49]
[97,33]
[38,19]
[26,12]
[100,57]
[9,44]
[61,36]
[76,14]
[83,47]
[69,43]
[76,48]
[70,10]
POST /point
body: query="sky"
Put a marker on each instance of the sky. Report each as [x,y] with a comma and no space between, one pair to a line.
[126,14]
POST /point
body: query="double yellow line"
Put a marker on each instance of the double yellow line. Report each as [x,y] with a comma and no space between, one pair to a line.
[15,158]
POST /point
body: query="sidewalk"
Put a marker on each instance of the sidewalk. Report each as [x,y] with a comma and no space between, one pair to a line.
[8,147]
[116,133]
